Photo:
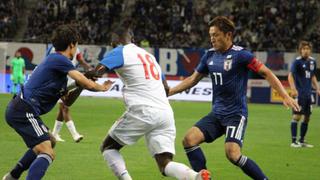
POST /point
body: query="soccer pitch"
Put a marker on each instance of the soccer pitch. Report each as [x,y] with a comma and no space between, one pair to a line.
[267,141]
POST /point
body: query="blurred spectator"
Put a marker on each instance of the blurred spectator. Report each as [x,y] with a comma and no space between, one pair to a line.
[93,18]
[260,25]
[9,12]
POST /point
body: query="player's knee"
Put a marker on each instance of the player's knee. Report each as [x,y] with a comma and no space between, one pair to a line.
[296,117]
[233,155]
[306,119]
[65,108]
[53,141]
[45,150]
[189,140]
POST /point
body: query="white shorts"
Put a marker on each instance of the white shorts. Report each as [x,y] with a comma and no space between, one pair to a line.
[157,125]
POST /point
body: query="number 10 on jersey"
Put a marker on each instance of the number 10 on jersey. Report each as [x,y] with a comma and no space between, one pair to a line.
[149,66]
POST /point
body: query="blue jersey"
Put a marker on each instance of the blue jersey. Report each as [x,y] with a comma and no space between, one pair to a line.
[302,71]
[47,83]
[229,75]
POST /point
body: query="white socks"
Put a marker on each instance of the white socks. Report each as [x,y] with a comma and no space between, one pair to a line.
[116,163]
[173,169]
[179,171]
[72,128]
[57,127]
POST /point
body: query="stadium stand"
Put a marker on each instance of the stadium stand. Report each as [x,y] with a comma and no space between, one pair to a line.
[8,18]
[261,25]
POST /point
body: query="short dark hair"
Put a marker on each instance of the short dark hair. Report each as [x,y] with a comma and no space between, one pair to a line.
[304,43]
[122,30]
[223,23]
[63,36]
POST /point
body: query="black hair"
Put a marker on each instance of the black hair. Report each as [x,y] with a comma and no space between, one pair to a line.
[64,36]
[223,23]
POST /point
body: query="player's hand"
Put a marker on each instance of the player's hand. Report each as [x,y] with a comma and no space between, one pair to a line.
[107,85]
[289,102]
[294,93]
[91,74]
[318,91]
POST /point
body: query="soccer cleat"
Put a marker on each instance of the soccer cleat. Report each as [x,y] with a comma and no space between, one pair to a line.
[8,176]
[203,175]
[295,145]
[58,138]
[304,144]
[77,138]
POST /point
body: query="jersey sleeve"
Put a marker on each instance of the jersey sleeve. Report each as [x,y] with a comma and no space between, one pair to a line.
[113,59]
[79,56]
[202,66]
[315,67]
[293,68]
[252,62]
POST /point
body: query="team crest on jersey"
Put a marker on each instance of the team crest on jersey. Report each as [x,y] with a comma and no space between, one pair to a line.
[227,63]
[311,66]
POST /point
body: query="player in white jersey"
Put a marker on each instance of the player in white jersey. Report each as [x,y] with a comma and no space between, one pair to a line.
[148,112]
[64,113]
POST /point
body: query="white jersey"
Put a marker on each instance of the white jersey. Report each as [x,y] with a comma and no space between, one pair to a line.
[51,50]
[140,74]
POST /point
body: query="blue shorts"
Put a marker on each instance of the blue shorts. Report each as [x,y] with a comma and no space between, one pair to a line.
[20,117]
[213,127]
[305,105]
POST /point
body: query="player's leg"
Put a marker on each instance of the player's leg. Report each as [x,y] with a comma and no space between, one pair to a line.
[235,129]
[294,129]
[306,110]
[33,132]
[70,123]
[125,131]
[58,123]
[304,125]
[206,130]
[160,142]
[178,170]
[110,151]
[22,165]
[296,116]
[45,156]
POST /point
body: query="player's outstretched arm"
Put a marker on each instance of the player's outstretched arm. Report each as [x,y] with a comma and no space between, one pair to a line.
[75,92]
[89,84]
[186,83]
[276,84]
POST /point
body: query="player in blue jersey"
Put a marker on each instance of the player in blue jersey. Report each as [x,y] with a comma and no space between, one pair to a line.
[301,79]
[41,92]
[228,66]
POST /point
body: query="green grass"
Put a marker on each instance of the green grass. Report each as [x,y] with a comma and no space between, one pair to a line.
[267,141]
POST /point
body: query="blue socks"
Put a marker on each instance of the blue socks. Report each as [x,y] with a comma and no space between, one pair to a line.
[303,131]
[23,164]
[294,125]
[196,158]
[250,168]
[39,167]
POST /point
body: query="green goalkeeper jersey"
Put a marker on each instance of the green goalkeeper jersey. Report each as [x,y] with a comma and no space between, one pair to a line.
[17,65]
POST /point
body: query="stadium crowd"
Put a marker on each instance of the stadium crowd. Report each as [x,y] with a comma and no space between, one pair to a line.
[8,18]
[93,18]
[260,24]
